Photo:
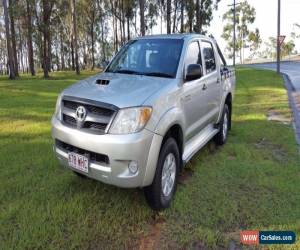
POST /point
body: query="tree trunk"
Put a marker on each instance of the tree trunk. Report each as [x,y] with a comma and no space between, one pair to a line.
[102,35]
[45,56]
[49,52]
[142,17]
[123,22]
[72,52]
[168,16]
[10,61]
[197,28]
[93,46]
[62,51]
[175,16]
[182,17]
[13,36]
[46,37]
[202,13]
[121,30]
[74,22]
[29,38]
[161,18]
[191,25]
[20,50]
[128,28]
[116,32]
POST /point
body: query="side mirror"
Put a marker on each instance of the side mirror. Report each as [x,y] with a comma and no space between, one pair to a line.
[193,72]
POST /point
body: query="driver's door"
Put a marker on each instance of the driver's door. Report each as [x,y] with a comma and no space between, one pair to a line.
[193,94]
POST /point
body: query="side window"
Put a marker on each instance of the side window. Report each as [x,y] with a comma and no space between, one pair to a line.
[193,55]
[209,57]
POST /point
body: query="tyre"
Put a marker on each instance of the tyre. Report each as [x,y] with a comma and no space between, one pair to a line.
[221,136]
[160,193]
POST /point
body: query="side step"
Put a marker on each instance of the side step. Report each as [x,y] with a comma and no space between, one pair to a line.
[197,142]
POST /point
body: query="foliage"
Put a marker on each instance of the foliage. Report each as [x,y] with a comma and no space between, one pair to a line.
[296,34]
[252,182]
[287,48]
[245,16]
[48,36]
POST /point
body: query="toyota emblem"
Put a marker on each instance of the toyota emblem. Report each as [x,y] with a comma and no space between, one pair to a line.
[80,113]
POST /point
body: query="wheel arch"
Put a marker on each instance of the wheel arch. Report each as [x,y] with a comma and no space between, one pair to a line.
[227,100]
[175,131]
[172,125]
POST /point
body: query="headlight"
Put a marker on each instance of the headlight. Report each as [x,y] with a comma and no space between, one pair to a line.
[130,120]
[58,108]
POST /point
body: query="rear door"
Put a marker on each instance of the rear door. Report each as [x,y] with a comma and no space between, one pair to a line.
[211,70]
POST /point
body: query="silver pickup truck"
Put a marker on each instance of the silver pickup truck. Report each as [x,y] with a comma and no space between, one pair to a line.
[157,103]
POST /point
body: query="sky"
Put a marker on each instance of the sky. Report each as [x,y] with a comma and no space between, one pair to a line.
[266,19]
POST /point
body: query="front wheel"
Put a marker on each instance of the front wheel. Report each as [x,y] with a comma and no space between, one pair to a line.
[221,136]
[160,193]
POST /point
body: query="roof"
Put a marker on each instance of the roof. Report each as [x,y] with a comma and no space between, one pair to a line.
[171,36]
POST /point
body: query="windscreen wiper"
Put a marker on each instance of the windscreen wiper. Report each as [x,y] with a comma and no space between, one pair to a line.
[127,71]
[158,74]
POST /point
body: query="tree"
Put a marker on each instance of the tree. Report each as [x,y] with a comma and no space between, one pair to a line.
[74,35]
[204,10]
[128,9]
[12,13]
[89,11]
[271,48]
[45,28]
[150,19]
[198,17]
[182,16]
[168,16]
[11,64]
[142,17]
[190,8]
[29,36]
[245,15]
[287,48]
[70,34]
[255,41]
[295,34]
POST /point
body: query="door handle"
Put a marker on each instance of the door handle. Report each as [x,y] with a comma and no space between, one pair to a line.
[204,87]
[186,98]
[218,81]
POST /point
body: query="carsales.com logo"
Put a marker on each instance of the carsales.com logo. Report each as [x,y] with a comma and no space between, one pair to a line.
[267,237]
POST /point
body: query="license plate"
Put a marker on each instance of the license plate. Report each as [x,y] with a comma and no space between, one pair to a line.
[79,162]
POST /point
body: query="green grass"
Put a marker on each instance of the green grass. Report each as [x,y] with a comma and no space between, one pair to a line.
[253,182]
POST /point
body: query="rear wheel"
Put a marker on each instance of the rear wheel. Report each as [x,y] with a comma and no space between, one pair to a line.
[221,136]
[160,193]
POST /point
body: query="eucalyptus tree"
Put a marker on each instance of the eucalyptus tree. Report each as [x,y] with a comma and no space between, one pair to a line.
[10,58]
[13,11]
[74,34]
[28,15]
[142,17]
[245,16]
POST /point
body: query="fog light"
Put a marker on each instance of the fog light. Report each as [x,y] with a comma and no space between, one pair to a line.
[133,167]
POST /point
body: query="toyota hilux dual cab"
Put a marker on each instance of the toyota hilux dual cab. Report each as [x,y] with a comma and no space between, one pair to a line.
[158,101]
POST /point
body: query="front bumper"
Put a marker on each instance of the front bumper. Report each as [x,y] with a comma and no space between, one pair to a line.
[142,147]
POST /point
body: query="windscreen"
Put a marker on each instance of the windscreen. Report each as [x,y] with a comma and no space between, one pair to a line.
[153,57]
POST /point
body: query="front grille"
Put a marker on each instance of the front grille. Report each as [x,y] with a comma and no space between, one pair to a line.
[92,109]
[95,125]
[97,118]
[94,157]
[69,120]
